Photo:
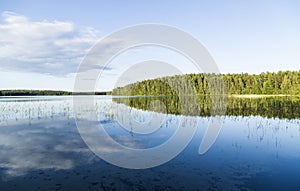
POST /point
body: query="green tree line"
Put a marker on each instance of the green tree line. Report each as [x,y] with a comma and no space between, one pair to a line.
[287,82]
[46,93]
[33,93]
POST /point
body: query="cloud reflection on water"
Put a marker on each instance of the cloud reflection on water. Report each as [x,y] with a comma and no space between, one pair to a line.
[54,142]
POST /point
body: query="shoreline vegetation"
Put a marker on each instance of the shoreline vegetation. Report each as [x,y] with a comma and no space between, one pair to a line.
[47,93]
[234,85]
[269,84]
[16,93]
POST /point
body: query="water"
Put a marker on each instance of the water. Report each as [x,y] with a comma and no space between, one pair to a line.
[41,148]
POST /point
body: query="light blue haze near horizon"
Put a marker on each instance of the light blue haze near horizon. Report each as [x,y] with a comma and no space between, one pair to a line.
[242,36]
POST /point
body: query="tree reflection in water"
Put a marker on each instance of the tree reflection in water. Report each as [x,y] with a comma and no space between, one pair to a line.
[272,107]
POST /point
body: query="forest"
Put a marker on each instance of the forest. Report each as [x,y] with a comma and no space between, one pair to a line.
[45,93]
[269,83]
[33,93]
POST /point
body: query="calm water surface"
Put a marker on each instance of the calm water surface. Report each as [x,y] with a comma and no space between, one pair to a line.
[41,149]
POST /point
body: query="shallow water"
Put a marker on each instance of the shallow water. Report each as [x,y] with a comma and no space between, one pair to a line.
[41,149]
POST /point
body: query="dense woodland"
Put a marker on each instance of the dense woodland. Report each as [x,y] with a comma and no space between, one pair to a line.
[32,93]
[265,83]
[44,93]
[202,84]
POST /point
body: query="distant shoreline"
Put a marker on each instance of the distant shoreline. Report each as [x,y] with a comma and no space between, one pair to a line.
[17,93]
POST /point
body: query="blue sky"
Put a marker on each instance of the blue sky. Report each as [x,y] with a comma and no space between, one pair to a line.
[43,42]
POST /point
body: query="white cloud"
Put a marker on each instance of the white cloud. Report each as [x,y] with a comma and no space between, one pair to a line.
[47,47]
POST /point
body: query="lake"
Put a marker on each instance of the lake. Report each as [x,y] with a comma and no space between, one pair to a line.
[41,148]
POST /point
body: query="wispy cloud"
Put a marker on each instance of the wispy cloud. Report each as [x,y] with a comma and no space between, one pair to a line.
[47,47]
